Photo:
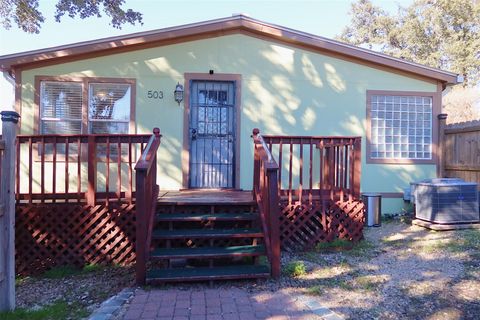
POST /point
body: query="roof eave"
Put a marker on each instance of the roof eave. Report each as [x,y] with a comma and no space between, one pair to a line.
[240,22]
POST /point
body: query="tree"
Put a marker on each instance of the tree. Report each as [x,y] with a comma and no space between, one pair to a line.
[439,33]
[26,15]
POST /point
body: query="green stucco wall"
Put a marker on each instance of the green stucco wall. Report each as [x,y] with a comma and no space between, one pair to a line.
[285,90]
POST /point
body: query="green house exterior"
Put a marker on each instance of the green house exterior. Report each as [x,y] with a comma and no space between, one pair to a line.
[286,83]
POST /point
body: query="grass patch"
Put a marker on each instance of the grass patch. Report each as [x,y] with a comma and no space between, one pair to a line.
[337,244]
[56,311]
[61,272]
[91,267]
[68,271]
[295,269]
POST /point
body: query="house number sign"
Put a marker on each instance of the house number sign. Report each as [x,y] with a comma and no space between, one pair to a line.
[154,94]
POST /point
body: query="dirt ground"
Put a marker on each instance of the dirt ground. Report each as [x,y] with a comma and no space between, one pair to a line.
[399,271]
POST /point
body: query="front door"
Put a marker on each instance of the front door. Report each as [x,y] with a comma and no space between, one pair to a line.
[212,134]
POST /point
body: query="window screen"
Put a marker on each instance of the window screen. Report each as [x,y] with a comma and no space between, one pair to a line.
[401,127]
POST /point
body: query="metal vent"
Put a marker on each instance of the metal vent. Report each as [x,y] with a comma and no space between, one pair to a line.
[446,201]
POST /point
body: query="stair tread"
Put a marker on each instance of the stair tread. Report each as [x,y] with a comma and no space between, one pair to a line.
[208,251]
[182,233]
[204,217]
[205,273]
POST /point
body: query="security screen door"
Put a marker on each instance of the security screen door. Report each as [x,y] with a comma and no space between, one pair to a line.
[212,134]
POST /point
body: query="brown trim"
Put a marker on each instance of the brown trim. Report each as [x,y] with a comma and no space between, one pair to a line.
[86,81]
[436,108]
[18,95]
[237,79]
[215,28]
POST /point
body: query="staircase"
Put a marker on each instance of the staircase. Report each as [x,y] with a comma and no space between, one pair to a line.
[206,237]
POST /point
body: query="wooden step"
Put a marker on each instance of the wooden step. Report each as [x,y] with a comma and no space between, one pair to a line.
[204,273]
[206,233]
[207,252]
[206,217]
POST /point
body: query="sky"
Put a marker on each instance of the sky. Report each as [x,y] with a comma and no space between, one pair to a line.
[325,18]
[321,17]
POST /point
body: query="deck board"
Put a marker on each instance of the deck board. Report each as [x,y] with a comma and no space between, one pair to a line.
[206,197]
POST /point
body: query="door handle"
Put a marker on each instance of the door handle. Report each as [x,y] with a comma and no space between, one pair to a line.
[194,134]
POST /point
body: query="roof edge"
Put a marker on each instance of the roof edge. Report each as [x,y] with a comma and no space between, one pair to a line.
[236,22]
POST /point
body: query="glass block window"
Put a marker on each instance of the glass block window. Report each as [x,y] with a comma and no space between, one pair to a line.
[401,127]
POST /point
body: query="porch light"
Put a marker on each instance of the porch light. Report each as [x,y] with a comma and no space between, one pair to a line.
[178,93]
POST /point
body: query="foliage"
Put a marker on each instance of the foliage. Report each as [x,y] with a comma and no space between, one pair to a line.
[57,310]
[460,105]
[295,269]
[439,33]
[27,16]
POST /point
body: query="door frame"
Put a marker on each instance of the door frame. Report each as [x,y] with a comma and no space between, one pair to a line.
[189,77]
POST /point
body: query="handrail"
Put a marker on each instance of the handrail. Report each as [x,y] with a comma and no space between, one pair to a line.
[265,189]
[146,198]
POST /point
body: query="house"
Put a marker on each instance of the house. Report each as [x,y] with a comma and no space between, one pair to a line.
[207,85]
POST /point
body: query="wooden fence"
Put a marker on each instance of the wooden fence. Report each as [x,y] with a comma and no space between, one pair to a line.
[460,150]
[7,210]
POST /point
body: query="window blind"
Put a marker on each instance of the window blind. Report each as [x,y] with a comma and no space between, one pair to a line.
[60,107]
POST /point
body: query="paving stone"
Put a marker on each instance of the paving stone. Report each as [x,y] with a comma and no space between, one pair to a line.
[222,304]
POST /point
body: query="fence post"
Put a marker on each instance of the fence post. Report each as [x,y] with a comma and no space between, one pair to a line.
[442,122]
[92,171]
[7,200]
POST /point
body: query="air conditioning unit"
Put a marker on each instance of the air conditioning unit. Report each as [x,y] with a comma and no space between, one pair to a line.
[446,201]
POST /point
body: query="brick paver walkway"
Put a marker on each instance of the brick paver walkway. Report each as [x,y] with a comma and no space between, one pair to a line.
[231,304]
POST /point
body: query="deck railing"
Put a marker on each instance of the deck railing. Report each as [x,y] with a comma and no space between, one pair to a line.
[52,167]
[317,168]
[308,190]
[146,199]
[266,195]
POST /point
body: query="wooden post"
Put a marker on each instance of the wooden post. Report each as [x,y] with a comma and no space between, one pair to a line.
[141,228]
[7,220]
[274,216]
[92,171]
[357,167]
[442,122]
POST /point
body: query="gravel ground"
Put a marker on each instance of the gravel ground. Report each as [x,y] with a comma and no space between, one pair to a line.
[398,272]
[86,289]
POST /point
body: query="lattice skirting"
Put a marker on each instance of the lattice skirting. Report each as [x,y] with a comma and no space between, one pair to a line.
[55,234]
[302,226]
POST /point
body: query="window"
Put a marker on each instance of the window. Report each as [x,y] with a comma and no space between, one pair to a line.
[109,108]
[400,127]
[89,105]
[61,107]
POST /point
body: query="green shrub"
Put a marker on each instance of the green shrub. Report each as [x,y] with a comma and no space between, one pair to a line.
[295,269]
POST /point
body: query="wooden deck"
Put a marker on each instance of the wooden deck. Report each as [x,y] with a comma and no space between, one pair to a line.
[204,197]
